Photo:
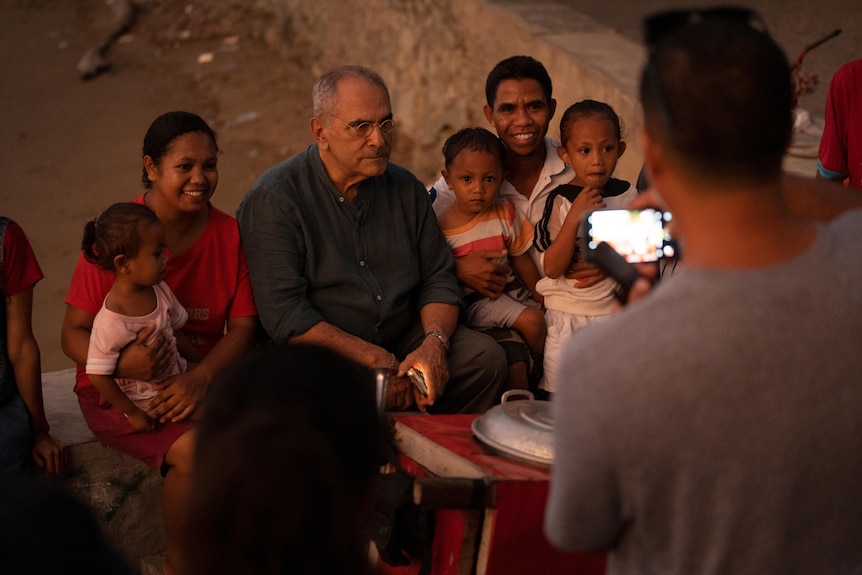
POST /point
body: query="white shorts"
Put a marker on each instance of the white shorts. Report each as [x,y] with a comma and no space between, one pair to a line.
[500,312]
[561,327]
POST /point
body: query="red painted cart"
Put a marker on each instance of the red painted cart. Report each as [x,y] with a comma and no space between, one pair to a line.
[504,535]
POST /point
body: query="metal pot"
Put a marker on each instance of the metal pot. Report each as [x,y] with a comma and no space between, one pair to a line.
[522,429]
[381,383]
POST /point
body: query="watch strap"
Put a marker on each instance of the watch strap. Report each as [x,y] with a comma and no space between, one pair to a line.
[439,335]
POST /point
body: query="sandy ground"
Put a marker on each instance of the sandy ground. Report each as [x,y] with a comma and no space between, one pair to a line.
[69,148]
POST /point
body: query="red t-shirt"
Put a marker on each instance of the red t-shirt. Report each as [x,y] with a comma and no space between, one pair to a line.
[210,280]
[20,268]
[841,142]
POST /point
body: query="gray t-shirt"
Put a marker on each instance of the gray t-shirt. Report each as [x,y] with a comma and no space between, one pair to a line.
[716,426]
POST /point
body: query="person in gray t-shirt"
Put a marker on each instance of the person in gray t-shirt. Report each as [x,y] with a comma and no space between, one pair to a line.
[715,425]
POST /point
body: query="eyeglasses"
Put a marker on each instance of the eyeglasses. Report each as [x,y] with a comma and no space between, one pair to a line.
[660,25]
[365,129]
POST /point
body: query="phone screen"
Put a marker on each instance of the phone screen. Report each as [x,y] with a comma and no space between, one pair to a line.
[637,235]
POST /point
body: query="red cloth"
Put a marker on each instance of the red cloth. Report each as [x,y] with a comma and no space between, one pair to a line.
[210,280]
[112,429]
[20,268]
[841,143]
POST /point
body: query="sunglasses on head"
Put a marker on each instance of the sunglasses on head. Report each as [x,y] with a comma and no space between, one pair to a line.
[661,24]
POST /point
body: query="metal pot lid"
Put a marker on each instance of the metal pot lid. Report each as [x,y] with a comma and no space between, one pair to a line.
[522,429]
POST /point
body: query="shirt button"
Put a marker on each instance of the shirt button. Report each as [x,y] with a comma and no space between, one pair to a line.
[379,298]
[341,199]
[362,263]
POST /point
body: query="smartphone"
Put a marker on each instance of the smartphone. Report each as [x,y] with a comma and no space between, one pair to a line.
[617,267]
[637,235]
[418,379]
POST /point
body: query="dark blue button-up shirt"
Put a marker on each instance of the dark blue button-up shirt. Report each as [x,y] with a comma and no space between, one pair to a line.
[367,270]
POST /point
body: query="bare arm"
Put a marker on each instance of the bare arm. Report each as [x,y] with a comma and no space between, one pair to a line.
[185,392]
[75,334]
[399,394]
[558,257]
[108,388]
[430,356]
[48,453]
[818,199]
[526,271]
[559,254]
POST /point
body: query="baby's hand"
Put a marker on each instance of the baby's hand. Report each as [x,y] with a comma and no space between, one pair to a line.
[590,198]
[140,421]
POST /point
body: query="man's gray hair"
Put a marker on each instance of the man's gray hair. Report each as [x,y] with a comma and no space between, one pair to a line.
[324,96]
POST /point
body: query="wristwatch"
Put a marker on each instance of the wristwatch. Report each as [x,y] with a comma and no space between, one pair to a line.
[439,335]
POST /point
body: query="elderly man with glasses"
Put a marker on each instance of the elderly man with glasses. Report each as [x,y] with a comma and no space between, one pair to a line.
[725,436]
[344,251]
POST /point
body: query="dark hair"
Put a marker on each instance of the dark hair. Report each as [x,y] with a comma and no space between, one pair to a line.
[478,139]
[167,128]
[116,231]
[585,109]
[719,93]
[517,68]
[288,447]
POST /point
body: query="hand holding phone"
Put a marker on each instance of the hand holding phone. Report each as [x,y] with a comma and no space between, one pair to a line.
[418,379]
[617,239]
[616,266]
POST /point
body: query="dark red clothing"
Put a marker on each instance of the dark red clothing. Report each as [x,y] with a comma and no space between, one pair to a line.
[840,154]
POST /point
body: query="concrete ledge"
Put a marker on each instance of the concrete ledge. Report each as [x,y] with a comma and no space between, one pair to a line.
[123,493]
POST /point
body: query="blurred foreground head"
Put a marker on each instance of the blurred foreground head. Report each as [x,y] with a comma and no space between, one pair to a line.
[288,448]
[47,530]
[717,92]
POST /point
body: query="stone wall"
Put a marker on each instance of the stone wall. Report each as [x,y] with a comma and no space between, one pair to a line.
[435,55]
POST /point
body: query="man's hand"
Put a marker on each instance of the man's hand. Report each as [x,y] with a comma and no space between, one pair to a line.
[644,284]
[477,271]
[180,396]
[399,393]
[430,359]
[639,290]
[145,361]
[585,274]
[649,198]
